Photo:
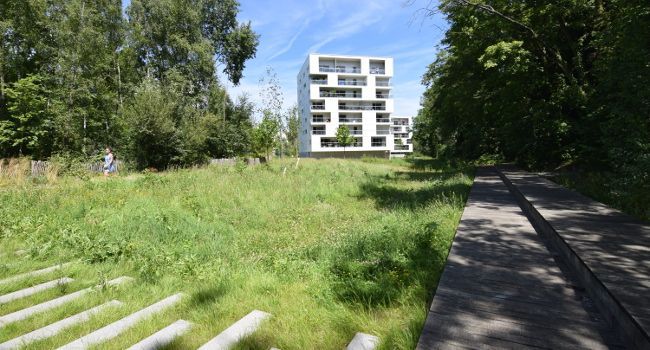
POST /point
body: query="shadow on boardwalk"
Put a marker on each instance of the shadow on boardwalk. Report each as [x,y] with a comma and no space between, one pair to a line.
[503,288]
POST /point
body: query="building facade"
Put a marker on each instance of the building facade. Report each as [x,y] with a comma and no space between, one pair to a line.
[402,131]
[355,91]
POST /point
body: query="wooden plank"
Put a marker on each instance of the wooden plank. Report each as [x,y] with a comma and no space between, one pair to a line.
[56,328]
[606,249]
[116,328]
[502,288]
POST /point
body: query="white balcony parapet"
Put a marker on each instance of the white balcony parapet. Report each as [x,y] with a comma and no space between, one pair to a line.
[362,108]
[328,69]
[352,83]
[339,94]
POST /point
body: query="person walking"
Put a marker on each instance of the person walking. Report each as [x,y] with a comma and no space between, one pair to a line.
[109,162]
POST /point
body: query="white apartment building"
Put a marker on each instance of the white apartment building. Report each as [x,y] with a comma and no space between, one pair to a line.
[402,131]
[355,91]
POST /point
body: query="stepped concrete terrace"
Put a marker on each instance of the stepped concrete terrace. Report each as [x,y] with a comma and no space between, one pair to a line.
[505,286]
[608,250]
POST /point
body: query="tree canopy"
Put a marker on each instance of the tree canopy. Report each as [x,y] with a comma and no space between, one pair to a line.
[78,75]
[544,84]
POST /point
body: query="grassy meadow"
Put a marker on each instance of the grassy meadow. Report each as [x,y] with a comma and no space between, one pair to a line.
[330,248]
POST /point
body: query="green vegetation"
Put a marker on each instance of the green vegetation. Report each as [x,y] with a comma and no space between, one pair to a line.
[344,137]
[76,76]
[546,84]
[330,248]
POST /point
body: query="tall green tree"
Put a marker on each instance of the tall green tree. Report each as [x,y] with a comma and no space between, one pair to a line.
[293,130]
[265,136]
[153,139]
[27,130]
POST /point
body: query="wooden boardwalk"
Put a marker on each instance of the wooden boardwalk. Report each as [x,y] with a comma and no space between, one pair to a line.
[608,250]
[503,288]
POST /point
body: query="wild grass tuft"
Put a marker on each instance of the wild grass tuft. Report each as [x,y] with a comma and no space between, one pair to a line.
[330,247]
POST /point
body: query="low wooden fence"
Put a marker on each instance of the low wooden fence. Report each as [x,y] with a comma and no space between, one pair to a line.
[40,167]
[37,168]
[233,161]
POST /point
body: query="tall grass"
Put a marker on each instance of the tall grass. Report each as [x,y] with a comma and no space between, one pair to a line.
[330,248]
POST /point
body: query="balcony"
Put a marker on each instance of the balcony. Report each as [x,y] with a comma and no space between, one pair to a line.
[352,83]
[402,147]
[374,70]
[361,108]
[340,94]
[350,120]
[318,132]
[340,69]
[356,132]
[382,120]
[332,144]
[380,95]
[382,83]
[320,120]
[319,81]
[383,132]
[317,107]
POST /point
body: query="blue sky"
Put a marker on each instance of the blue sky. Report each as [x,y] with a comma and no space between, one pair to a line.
[290,29]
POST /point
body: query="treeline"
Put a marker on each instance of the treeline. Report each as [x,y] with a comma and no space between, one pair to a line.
[545,84]
[78,75]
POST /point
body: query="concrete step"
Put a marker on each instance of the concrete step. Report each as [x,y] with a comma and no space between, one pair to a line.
[163,337]
[33,273]
[241,329]
[48,305]
[116,328]
[23,293]
[57,327]
[363,341]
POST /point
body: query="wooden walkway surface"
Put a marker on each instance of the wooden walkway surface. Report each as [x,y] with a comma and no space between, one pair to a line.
[609,251]
[503,288]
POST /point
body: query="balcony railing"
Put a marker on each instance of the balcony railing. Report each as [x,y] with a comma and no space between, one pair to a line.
[339,94]
[400,123]
[382,83]
[383,120]
[327,69]
[317,106]
[378,144]
[361,108]
[356,132]
[318,132]
[319,81]
[336,144]
[352,83]
[402,147]
[350,120]
[374,70]
[320,120]
[383,132]
[384,96]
